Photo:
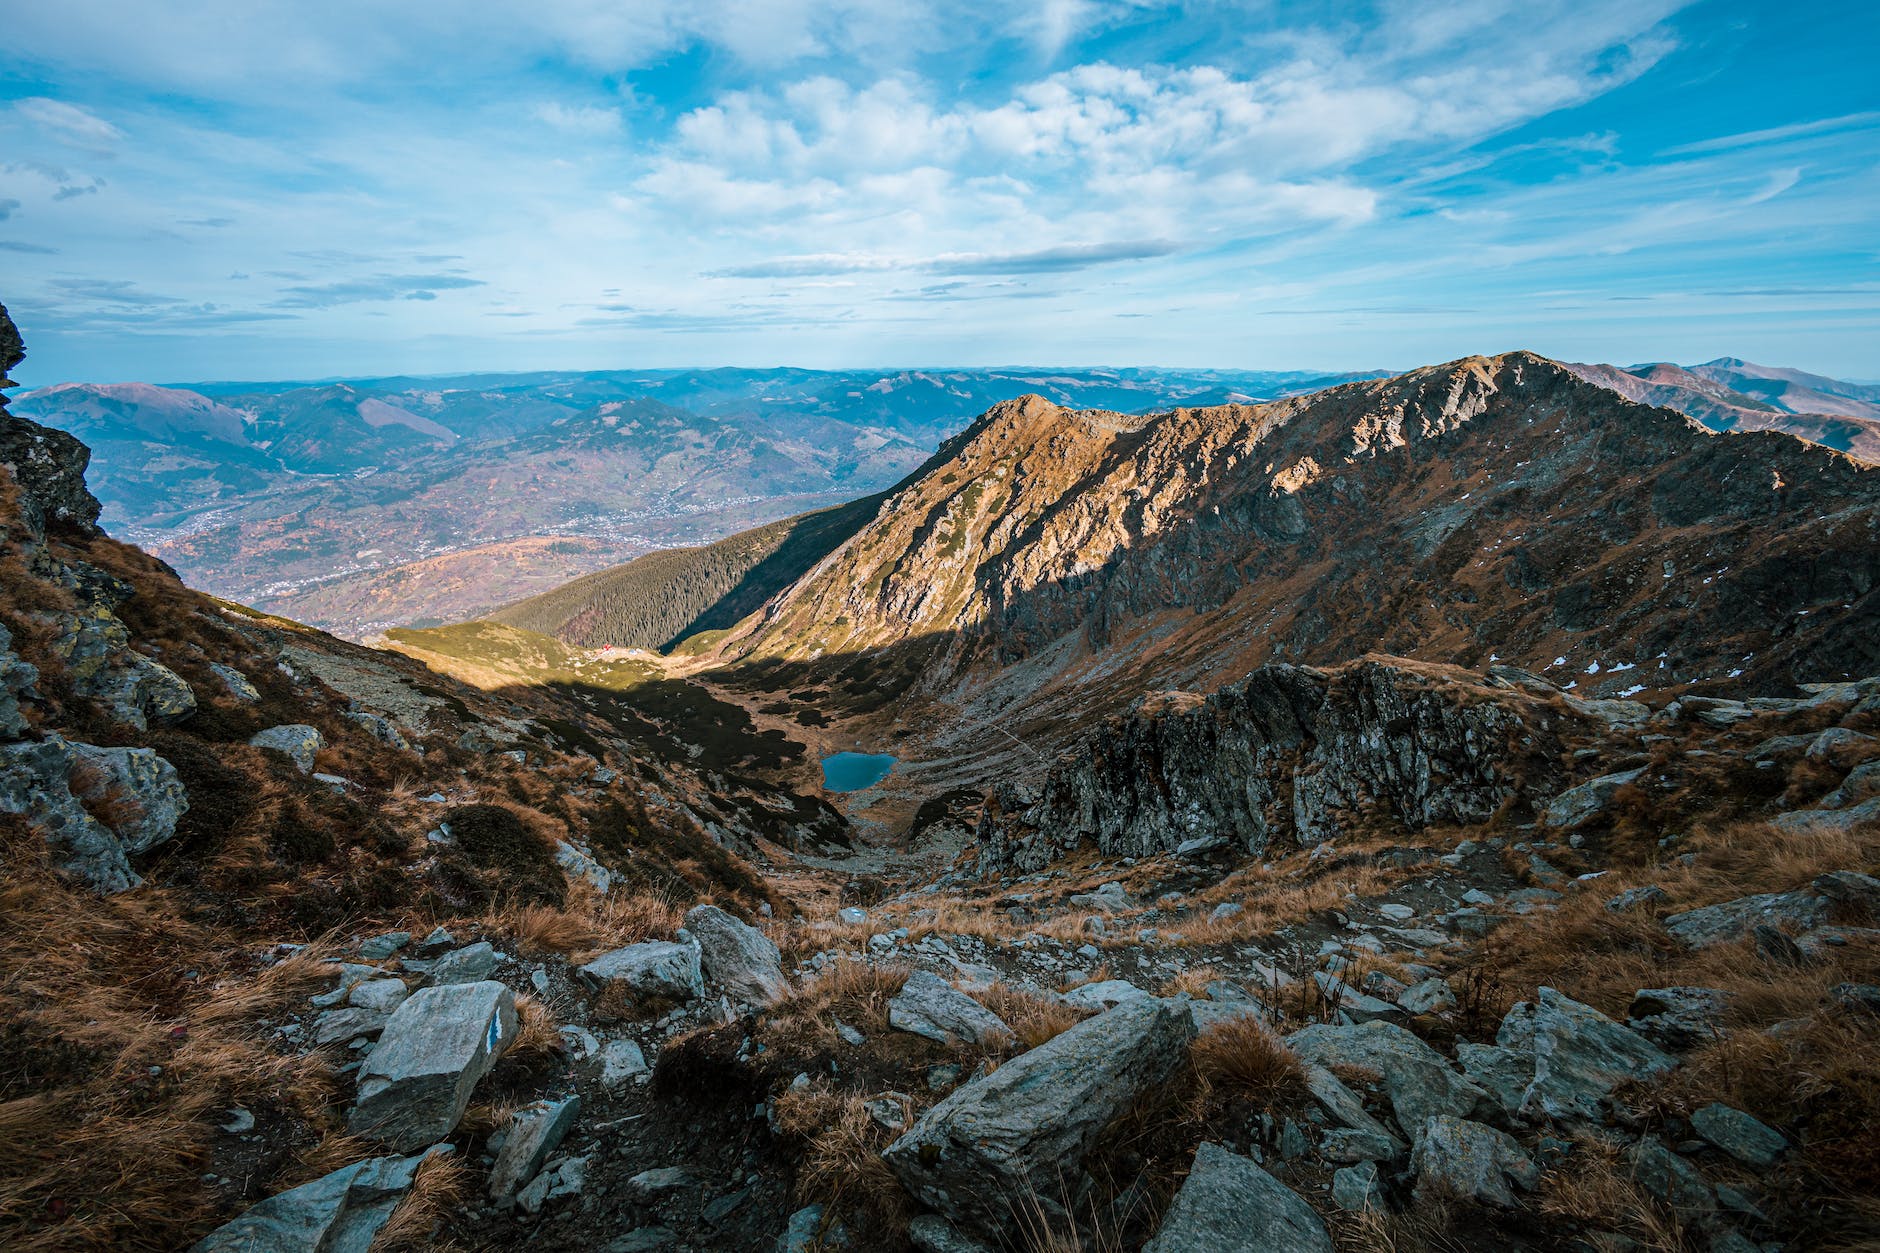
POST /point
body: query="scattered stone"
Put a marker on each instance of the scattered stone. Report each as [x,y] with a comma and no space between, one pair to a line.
[1431,996]
[530,1135]
[850,1036]
[1577,806]
[1636,898]
[929,1006]
[414,1087]
[737,957]
[1860,997]
[338,1026]
[660,1181]
[1225,910]
[1459,1158]
[1732,920]
[339,1212]
[563,1177]
[1419,1082]
[1741,1136]
[236,682]
[1839,746]
[854,915]
[1861,782]
[1351,1004]
[299,741]
[1580,1056]
[382,729]
[804,1232]
[1229,1205]
[381,996]
[1343,1105]
[1671,1179]
[653,968]
[931,1233]
[1851,888]
[577,864]
[1503,1073]
[471,964]
[240,1121]
[1014,1133]
[1346,1145]
[1678,1018]
[1773,945]
[1820,822]
[1358,1188]
[621,1060]
[1103,994]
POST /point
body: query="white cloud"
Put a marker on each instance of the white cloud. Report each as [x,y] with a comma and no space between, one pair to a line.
[79,127]
[588,121]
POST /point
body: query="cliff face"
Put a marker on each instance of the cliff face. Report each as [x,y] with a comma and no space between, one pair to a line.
[1494,505]
[1288,756]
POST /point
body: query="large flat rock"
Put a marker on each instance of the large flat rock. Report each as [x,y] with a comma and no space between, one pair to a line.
[414,1086]
[1229,1205]
[339,1212]
[1018,1136]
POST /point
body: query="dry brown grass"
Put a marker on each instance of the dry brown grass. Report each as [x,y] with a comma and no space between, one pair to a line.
[439,1189]
[842,1167]
[1033,1019]
[1594,1189]
[856,992]
[116,1065]
[537,1032]
[1240,1059]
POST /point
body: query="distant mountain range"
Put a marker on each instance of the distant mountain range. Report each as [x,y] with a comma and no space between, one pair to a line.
[361,505]
[1730,394]
[357,506]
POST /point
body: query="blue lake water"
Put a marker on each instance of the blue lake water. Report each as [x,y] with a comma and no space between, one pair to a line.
[851,772]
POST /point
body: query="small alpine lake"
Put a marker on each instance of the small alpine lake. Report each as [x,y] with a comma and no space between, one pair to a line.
[851,772]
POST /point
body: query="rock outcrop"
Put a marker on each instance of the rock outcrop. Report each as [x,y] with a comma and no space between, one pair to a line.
[1288,754]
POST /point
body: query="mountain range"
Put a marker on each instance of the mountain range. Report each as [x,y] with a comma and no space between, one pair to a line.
[1433,812]
[367,504]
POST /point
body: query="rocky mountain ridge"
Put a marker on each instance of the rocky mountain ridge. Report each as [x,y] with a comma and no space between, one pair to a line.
[1489,510]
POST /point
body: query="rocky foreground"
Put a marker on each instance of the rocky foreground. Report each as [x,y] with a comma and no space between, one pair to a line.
[1546,1025]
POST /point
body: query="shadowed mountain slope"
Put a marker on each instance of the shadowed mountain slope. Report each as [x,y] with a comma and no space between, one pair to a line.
[1488,506]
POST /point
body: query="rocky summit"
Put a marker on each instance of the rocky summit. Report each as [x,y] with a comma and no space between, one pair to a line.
[1432,813]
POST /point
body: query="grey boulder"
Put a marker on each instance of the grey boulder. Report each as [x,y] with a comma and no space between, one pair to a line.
[532,1133]
[1017,1135]
[1229,1205]
[1678,1018]
[1732,920]
[415,1085]
[1419,1081]
[339,1212]
[655,968]
[931,1007]
[738,958]
[1745,1138]
[1577,806]
[1459,1158]
[296,739]
[48,783]
[1580,1055]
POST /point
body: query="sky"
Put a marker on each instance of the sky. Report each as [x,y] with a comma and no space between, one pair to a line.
[255,189]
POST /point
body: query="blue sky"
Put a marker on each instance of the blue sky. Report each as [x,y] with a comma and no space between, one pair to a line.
[255,189]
